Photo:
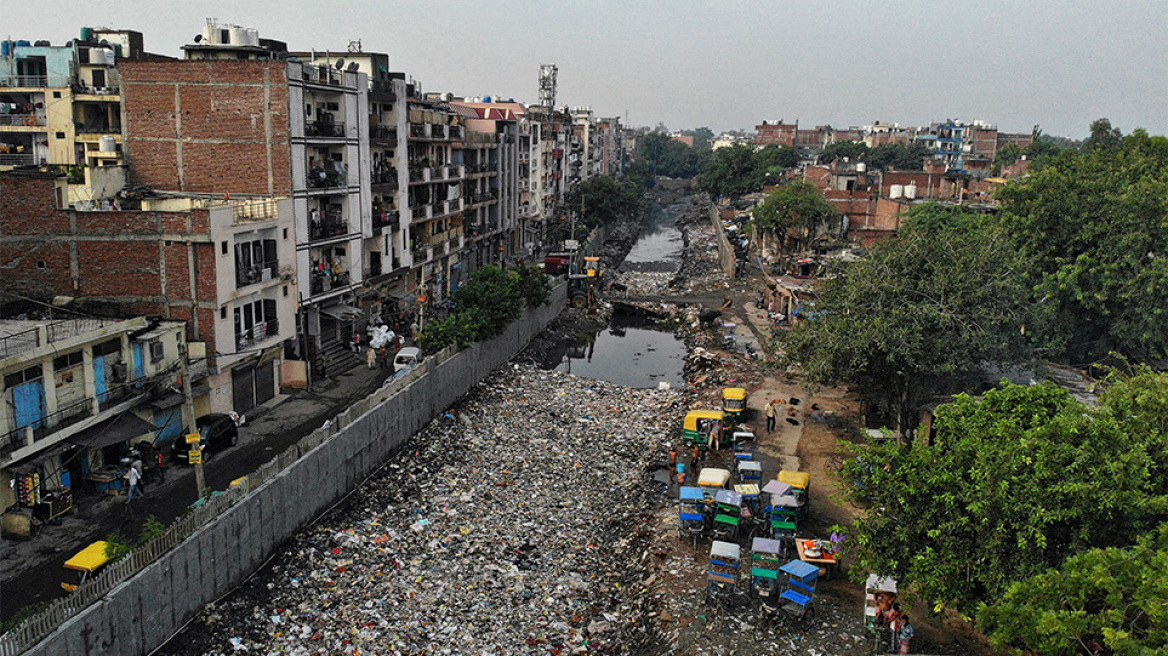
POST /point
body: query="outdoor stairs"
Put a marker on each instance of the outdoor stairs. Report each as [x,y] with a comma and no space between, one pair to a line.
[338,358]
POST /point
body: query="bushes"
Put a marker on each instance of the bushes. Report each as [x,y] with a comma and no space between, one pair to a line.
[484,307]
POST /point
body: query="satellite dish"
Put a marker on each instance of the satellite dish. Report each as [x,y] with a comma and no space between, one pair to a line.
[352,67]
[198,38]
[340,64]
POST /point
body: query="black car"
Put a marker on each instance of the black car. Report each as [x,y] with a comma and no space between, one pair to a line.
[216,431]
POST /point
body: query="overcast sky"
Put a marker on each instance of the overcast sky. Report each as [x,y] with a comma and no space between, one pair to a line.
[724,64]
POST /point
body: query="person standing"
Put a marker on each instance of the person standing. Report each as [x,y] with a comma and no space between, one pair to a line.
[133,479]
[161,465]
[906,635]
[769,411]
[371,357]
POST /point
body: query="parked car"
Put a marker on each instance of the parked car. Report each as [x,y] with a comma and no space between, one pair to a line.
[406,359]
[216,432]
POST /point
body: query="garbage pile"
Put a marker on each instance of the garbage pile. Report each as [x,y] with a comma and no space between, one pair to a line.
[509,526]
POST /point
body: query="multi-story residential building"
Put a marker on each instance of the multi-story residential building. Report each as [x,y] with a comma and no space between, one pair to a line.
[238,120]
[227,268]
[77,393]
[61,106]
[776,133]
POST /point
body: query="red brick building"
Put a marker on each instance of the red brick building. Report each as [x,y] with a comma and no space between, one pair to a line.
[776,133]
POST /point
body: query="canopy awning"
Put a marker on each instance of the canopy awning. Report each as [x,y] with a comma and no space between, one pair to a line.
[340,311]
[122,428]
[31,463]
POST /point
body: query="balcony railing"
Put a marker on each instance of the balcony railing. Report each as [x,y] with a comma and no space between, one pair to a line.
[34,81]
[327,229]
[330,129]
[419,174]
[255,210]
[385,176]
[383,87]
[322,75]
[254,273]
[70,414]
[383,134]
[258,333]
[384,218]
[98,128]
[418,131]
[318,179]
[22,119]
[86,90]
[324,282]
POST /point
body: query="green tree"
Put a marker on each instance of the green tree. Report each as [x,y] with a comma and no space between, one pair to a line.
[740,169]
[1103,136]
[116,546]
[942,299]
[1016,482]
[1094,225]
[853,150]
[533,286]
[797,208]
[493,298]
[667,156]
[703,137]
[903,157]
[1100,601]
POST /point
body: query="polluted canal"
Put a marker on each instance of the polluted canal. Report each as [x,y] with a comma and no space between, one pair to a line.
[525,521]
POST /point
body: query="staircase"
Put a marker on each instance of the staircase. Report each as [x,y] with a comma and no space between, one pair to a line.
[337,358]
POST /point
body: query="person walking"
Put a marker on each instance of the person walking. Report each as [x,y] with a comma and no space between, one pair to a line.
[133,479]
[161,465]
[371,357]
[769,411]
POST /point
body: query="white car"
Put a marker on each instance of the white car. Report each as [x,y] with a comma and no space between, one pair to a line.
[406,359]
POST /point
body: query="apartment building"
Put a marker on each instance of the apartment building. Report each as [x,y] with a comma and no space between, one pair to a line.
[226,268]
[77,394]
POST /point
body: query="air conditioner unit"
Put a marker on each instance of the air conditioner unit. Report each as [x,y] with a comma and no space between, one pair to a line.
[119,372]
[157,351]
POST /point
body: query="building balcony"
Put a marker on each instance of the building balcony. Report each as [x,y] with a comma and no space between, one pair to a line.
[102,93]
[258,333]
[324,129]
[385,179]
[422,254]
[384,218]
[420,212]
[383,135]
[418,131]
[318,179]
[34,81]
[255,273]
[326,282]
[72,414]
[326,75]
[97,128]
[383,89]
[252,211]
[17,160]
[25,120]
[419,175]
[327,229]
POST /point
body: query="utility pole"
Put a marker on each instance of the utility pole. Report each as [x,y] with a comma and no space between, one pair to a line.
[194,453]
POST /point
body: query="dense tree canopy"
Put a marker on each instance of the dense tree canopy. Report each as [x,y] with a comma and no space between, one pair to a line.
[598,200]
[944,298]
[1093,228]
[671,158]
[794,207]
[483,307]
[741,169]
[903,157]
[1006,512]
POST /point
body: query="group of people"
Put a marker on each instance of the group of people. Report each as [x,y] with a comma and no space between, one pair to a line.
[136,474]
[894,623]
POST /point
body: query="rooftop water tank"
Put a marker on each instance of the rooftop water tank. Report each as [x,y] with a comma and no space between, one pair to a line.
[861,167]
[910,191]
[98,56]
[253,36]
[107,144]
[896,191]
[43,43]
[87,34]
[5,48]
[23,43]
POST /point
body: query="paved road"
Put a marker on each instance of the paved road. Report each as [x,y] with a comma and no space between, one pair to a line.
[31,572]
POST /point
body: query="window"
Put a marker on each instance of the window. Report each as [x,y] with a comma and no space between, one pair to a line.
[41,265]
[254,321]
[57,94]
[68,360]
[20,377]
[60,135]
[285,233]
[223,312]
[255,261]
[285,291]
[223,247]
[106,348]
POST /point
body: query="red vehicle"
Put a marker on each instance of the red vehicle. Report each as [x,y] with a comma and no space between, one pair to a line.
[555,264]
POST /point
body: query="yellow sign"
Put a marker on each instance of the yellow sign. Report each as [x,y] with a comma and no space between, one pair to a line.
[193,438]
[195,457]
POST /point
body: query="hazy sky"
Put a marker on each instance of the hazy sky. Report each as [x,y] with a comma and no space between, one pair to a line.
[720,63]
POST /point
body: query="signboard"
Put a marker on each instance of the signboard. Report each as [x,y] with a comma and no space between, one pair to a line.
[571,244]
[193,438]
[195,456]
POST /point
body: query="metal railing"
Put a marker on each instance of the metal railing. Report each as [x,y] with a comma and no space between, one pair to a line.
[323,282]
[383,133]
[255,273]
[252,210]
[317,179]
[22,119]
[327,230]
[88,128]
[258,333]
[95,91]
[329,129]
[34,81]
[17,160]
[384,218]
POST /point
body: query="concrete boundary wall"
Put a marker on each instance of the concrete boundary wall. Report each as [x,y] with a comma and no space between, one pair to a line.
[726,258]
[141,613]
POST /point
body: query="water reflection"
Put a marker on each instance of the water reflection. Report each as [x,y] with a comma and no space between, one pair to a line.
[628,353]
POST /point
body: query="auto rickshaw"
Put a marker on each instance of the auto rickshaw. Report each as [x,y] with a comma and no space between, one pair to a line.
[734,404]
[722,578]
[729,515]
[691,508]
[750,471]
[711,480]
[800,483]
[764,568]
[698,424]
[87,563]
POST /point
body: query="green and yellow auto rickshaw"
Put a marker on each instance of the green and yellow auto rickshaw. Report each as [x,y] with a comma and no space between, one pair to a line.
[698,424]
[734,404]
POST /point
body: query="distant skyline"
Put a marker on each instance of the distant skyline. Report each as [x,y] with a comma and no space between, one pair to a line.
[724,64]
